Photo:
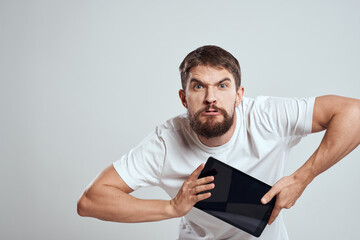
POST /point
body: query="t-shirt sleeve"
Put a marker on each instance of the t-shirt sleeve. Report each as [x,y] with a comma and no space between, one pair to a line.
[288,118]
[142,165]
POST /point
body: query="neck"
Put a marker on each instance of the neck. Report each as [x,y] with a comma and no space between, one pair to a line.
[221,140]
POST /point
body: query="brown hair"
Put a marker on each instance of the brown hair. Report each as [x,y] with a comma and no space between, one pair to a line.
[212,56]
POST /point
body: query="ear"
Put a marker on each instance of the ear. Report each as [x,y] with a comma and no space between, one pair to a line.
[182,96]
[239,95]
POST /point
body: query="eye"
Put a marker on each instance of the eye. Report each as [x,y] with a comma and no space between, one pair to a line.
[222,85]
[198,87]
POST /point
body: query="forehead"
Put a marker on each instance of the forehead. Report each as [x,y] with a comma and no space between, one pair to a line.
[208,74]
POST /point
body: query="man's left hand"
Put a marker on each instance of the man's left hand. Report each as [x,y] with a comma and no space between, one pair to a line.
[288,190]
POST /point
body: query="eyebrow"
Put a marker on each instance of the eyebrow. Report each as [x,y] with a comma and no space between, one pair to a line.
[198,81]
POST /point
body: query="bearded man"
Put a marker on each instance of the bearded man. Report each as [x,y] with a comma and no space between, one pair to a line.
[254,135]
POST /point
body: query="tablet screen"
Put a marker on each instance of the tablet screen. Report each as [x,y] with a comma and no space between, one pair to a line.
[236,198]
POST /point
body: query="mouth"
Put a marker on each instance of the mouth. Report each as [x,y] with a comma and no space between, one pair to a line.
[211,112]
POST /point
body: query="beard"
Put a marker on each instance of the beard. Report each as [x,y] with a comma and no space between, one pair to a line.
[211,128]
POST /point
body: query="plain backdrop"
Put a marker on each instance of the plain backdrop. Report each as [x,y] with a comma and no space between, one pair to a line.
[84,81]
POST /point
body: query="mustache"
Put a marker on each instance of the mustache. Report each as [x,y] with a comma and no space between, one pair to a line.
[208,107]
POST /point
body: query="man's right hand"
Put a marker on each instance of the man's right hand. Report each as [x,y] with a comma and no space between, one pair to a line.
[189,195]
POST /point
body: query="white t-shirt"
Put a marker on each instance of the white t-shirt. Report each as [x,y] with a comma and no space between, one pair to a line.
[266,129]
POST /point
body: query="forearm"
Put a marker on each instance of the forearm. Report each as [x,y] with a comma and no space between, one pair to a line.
[108,199]
[341,137]
[111,204]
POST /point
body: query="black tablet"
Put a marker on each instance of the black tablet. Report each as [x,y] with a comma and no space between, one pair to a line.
[236,198]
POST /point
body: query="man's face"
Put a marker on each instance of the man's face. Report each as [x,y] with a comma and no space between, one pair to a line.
[210,97]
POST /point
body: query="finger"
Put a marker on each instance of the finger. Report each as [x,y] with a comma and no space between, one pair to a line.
[195,174]
[204,180]
[203,188]
[274,214]
[202,196]
[270,194]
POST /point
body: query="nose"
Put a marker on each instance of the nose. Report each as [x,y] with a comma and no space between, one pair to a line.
[210,97]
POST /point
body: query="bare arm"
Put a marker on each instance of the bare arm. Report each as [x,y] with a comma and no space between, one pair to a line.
[341,117]
[107,198]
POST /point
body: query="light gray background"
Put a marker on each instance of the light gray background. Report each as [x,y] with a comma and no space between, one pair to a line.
[84,81]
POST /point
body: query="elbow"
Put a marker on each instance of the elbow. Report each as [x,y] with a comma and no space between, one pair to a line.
[82,206]
[350,109]
[355,110]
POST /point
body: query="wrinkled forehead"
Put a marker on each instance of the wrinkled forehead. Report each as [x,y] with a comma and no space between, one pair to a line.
[209,74]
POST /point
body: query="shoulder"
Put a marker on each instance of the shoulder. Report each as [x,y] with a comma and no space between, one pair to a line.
[280,115]
[174,126]
[249,103]
[263,104]
[167,134]
[257,105]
